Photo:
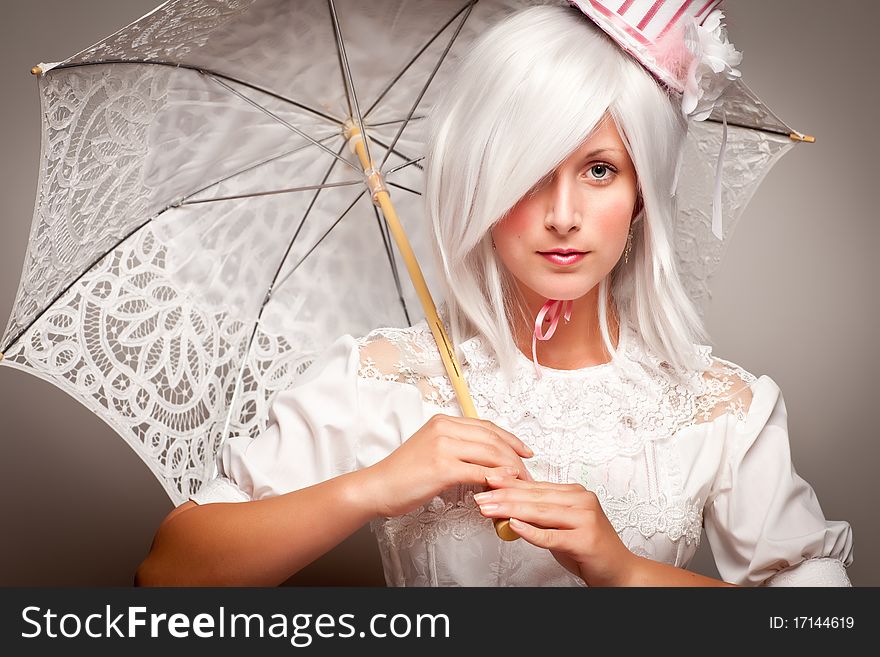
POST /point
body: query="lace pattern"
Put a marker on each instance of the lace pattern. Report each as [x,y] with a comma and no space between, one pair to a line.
[616,420]
[95,178]
[169,32]
[409,357]
[675,519]
[453,513]
[817,571]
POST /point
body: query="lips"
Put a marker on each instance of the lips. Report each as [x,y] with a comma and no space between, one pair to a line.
[564,259]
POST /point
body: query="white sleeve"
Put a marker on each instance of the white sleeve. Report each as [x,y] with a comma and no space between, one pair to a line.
[330,423]
[763,521]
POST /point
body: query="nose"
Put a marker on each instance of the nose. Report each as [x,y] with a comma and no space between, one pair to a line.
[562,212]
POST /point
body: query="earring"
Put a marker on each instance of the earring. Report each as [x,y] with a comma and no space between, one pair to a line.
[628,246]
[493,243]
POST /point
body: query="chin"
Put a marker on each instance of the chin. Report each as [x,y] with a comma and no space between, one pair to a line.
[562,291]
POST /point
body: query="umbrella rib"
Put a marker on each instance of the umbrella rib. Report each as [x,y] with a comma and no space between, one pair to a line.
[386,240]
[347,78]
[406,189]
[418,99]
[397,77]
[275,191]
[269,292]
[405,164]
[210,72]
[283,122]
[396,152]
[296,234]
[78,278]
[376,125]
[309,252]
[251,167]
[111,250]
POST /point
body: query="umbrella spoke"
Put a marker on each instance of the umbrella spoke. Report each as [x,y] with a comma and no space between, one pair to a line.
[309,252]
[428,83]
[397,77]
[285,123]
[251,167]
[376,125]
[276,191]
[405,164]
[386,240]
[210,73]
[402,156]
[406,189]
[296,233]
[347,79]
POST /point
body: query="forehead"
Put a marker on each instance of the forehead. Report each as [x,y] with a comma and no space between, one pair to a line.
[605,137]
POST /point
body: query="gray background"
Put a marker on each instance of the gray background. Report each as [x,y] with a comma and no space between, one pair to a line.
[796,298]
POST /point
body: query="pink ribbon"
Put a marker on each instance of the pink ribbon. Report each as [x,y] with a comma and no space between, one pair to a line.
[555,307]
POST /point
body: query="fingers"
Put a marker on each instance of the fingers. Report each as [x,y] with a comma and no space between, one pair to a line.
[551,539]
[534,495]
[492,431]
[539,514]
[488,454]
[510,482]
[476,474]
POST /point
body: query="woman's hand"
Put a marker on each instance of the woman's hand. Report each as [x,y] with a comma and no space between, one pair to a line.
[568,520]
[447,450]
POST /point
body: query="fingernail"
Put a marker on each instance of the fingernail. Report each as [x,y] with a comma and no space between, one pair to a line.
[494,479]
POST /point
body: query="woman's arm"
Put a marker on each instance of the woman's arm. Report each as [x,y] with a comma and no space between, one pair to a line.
[654,573]
[257,543]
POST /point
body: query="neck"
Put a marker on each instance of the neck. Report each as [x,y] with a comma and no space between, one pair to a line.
[575,344]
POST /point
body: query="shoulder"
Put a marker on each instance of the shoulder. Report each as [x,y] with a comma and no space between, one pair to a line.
[724,387]
[407,356]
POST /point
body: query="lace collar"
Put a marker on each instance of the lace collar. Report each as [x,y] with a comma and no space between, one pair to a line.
[478,355]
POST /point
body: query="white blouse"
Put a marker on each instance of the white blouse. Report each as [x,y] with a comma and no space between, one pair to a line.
[665,460]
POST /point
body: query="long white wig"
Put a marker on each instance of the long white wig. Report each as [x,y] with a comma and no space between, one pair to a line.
[528,93]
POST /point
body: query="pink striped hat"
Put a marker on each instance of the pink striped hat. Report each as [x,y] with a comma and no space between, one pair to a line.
[681,42]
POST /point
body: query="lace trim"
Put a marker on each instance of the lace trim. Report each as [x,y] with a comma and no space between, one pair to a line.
[815,571]
[675,519]
[220,489]
[727,389]
[169,33]
[623,405]
[408,356]
[459,518]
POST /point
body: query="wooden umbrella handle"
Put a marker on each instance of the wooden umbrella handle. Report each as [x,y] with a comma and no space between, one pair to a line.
[382,198]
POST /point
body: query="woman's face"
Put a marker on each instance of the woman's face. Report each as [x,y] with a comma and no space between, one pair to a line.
[586,204]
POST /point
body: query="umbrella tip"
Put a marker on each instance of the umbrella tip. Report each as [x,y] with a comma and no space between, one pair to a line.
[36,70]
[796,136]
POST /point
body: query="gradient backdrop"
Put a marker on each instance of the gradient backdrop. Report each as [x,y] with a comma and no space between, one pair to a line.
[796,298]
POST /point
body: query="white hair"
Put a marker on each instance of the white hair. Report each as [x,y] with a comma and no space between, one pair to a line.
[531,89]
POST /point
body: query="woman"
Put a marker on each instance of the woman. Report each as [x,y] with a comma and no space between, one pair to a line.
[609,446]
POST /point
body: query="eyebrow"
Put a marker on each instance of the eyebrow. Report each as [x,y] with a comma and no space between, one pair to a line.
[602,150]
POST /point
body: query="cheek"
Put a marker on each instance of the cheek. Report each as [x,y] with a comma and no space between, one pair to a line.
[516,222]
[613,220]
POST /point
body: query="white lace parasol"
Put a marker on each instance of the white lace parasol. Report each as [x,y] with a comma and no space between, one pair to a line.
[170,292]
